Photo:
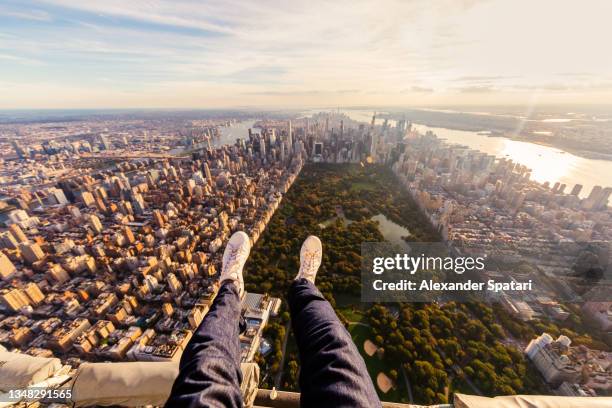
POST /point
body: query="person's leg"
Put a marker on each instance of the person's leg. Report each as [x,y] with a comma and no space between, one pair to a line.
[209,371]
[333,373]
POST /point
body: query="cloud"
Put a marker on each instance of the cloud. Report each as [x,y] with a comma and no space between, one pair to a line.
[568,87]
[475,89]
[275,50]
[575,74]
[34,15]
[419,89]
[483,78]
[20,60]
[303,92]
[196,15]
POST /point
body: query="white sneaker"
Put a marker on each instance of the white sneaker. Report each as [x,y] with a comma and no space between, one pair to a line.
[310,258]
[234,258]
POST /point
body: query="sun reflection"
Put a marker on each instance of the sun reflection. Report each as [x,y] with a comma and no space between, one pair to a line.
[547,164]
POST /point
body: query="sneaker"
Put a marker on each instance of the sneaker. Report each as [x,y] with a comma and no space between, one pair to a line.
[310,258]
[234,258]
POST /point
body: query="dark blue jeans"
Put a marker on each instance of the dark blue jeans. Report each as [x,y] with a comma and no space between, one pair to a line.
[209,371]
[333,372]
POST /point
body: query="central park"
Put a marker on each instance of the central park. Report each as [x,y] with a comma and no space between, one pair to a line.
[415,352]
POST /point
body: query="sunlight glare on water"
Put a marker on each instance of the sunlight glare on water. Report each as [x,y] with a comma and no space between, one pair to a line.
[547,164]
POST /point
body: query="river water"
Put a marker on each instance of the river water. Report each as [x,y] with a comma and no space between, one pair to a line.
[547,163]
[229,134]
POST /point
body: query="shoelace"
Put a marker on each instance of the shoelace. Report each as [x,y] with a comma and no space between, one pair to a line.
[234,257]
[310,262]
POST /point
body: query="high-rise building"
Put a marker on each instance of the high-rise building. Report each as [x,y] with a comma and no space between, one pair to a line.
[57,196]
[14,298]
[129,235]
[159,218]
[196,316]
[174,284]
[95,224]
[602,202]
[168,309]
[207,173]
[34,293]
[7,269]
[18,233]
[7,240]
[576,190]
[139,204]
[597,198]
[105,143]
[58,274]
[87,198]
[75,212]
[22,152]
[31,252]
[198,178]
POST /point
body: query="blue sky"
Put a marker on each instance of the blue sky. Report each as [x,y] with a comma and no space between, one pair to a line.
[188,53]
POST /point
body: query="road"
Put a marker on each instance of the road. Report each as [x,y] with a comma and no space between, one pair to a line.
[407,381]
[279,375]
[459,372]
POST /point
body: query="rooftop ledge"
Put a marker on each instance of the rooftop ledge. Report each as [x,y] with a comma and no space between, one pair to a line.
[133,384]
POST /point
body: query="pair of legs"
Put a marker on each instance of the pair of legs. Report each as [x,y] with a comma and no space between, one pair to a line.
[333,372]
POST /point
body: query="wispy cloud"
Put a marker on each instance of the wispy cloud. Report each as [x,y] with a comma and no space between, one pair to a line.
[419,89]
[18,59]
[34,15]
[475,89]
[272,51]
[483,78]
[308,92]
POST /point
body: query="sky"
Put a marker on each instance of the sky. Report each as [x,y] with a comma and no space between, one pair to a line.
[279,53]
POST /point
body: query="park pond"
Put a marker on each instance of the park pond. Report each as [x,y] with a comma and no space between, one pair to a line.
[391,231]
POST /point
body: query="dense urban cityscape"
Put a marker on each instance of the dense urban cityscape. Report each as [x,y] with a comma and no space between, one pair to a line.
[113,230]
[283,204]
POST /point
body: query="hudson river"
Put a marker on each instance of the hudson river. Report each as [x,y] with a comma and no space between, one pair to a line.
[547,163]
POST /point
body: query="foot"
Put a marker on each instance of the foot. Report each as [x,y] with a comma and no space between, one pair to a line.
[234,258]
[310,258]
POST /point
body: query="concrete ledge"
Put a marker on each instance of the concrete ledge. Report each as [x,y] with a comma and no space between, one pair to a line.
[286,399]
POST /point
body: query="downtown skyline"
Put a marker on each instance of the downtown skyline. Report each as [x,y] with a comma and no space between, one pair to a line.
[196,54]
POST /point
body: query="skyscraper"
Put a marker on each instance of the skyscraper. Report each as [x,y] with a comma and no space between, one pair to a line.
[290,136]
[95,223]
[31,252]
[7,240]
[576,190]
[34,293]
[14,298]
[18,233]
[7,269]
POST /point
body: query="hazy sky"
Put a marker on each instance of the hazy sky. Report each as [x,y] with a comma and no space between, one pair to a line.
[191,53]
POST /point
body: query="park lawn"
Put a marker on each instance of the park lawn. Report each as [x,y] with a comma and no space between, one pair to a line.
[350,306]
[353,316]
[360,334]
[363,186]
